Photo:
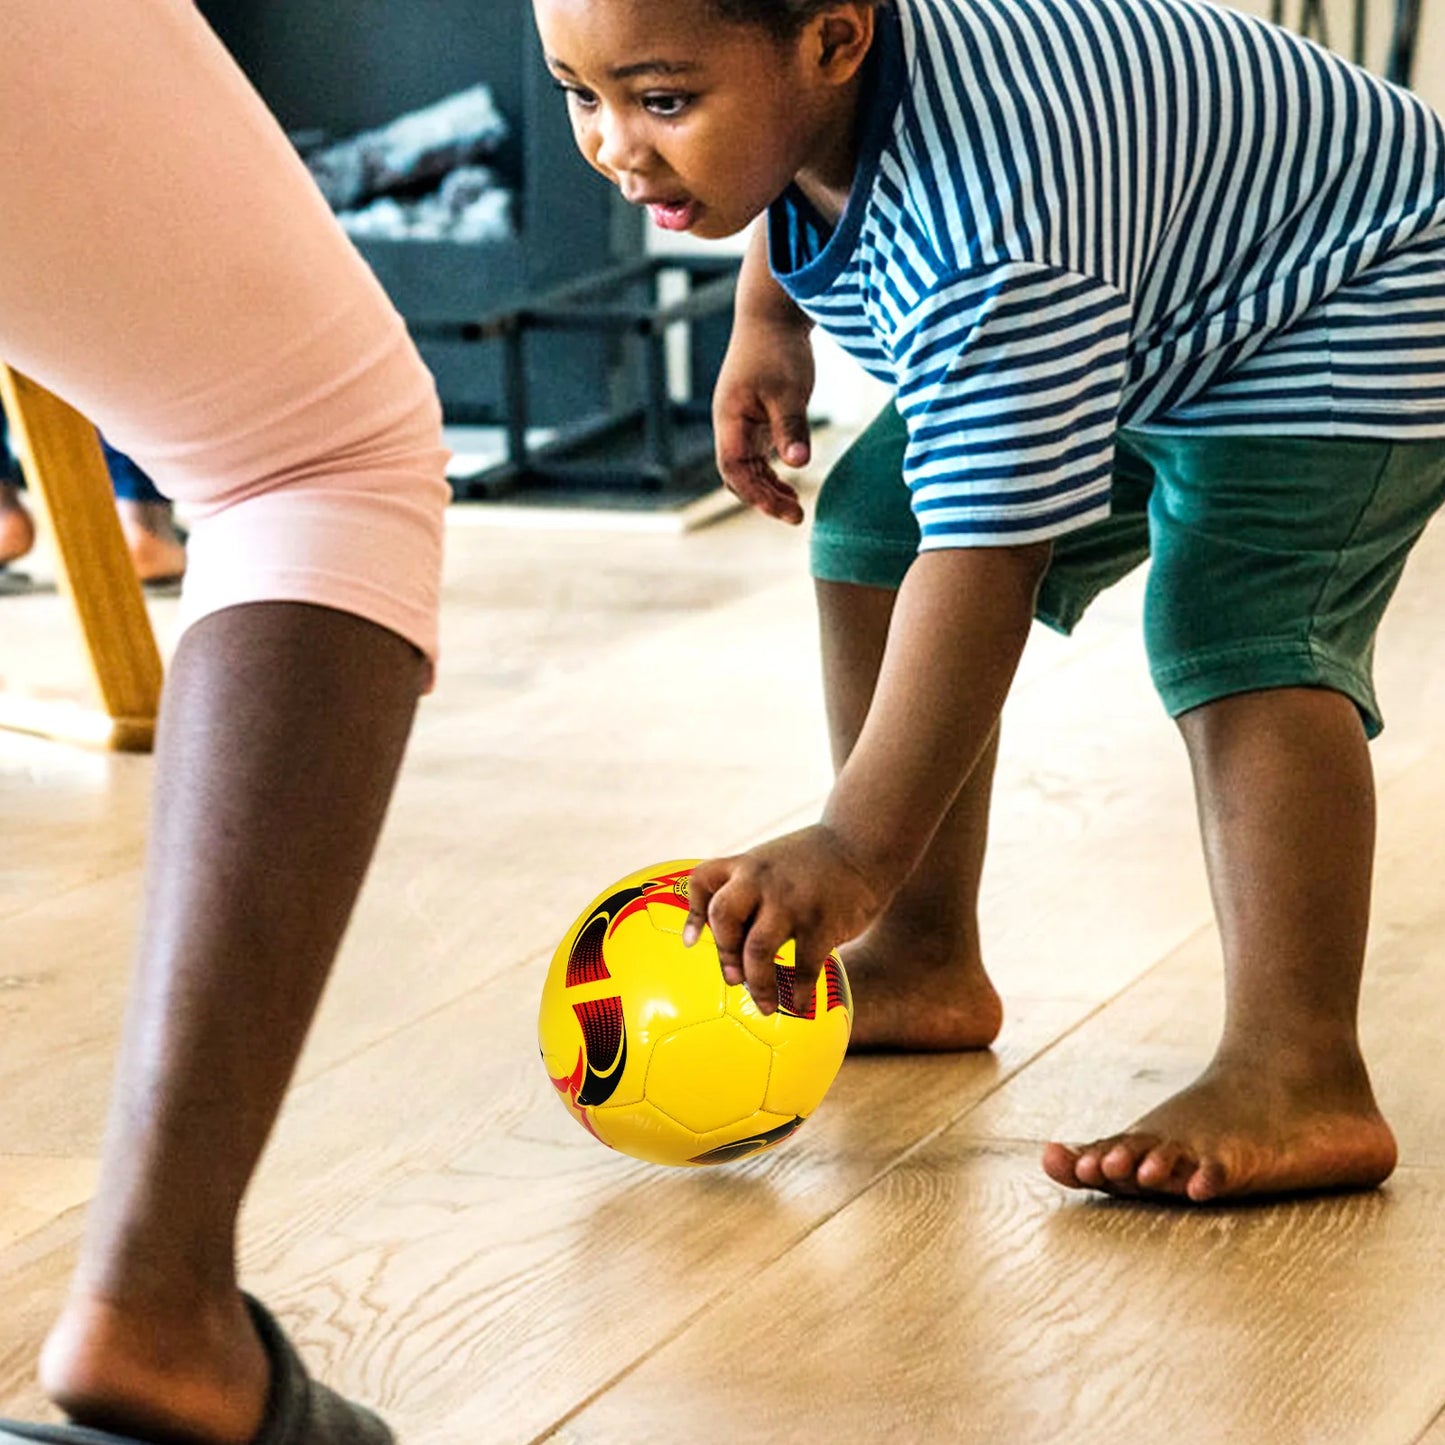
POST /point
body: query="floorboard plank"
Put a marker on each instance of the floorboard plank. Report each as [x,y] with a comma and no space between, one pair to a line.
[70,817]
[1435,1431]
[964,1298]
[40,1190]
[450,1245]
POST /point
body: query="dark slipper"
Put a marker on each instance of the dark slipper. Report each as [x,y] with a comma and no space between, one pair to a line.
[298,1411]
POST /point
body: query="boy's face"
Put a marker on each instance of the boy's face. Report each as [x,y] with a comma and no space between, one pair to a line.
[702,122]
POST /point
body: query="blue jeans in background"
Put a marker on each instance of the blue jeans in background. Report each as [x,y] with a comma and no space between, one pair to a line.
[131,484]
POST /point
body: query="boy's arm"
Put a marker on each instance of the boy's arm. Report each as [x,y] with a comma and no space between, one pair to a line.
[958,630]
[759,296]
[760,402]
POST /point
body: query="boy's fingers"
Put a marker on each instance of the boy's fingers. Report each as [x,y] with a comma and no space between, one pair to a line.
[755,483]
[749,476]
[810,953]
[740,444]
[783,505]
[705,884]
[702,883]
[744,440]
[728,915]
[790,434]
[769,931]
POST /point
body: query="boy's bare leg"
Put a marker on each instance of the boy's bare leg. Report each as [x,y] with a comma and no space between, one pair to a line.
[917,974]
[281,731]
[1287,813]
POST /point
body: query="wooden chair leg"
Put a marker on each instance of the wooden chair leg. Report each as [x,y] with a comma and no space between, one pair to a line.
[66,469]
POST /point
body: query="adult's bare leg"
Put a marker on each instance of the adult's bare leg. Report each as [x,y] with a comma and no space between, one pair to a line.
[281,732]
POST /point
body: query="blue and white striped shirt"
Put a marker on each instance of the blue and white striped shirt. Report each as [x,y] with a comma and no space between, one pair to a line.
[1072,216]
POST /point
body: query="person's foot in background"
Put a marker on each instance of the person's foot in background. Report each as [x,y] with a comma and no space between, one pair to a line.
[17,529]
[156,546]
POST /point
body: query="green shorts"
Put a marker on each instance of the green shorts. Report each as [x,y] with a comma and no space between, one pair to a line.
[1273,557]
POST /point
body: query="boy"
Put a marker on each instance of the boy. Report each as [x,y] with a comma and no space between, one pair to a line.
[1151,278]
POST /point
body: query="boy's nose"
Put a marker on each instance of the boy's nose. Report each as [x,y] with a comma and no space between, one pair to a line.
[619,150]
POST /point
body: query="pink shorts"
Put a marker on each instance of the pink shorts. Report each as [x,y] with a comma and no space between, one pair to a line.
[167,266]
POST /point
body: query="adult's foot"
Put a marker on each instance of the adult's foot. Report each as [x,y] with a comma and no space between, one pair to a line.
[157,549]
[913,997]
[196,1372]
[17,527]
[1251,1124]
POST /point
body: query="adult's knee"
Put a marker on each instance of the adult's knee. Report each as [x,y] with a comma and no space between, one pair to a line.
[331,491]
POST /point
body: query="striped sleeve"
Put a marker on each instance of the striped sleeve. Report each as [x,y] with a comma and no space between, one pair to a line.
[1010,380]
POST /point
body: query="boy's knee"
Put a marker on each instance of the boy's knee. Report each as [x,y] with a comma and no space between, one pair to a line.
[1204,646]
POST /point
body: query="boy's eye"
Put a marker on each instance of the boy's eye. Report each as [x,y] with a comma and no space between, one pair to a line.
[576,95]
[667,104]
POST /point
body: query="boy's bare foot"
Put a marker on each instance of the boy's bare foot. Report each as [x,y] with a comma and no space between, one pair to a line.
[198,1372]
[17,528]
[1248,1125]
[156,548]
[908,998]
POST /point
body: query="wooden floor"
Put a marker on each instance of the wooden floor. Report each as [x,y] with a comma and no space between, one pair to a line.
[449,1246]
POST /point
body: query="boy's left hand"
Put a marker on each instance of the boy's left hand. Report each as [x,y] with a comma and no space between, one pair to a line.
[802,886]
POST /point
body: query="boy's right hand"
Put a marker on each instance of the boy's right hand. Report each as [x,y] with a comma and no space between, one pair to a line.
[760,411]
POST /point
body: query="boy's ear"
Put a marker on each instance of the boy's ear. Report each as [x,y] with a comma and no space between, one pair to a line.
[840,38]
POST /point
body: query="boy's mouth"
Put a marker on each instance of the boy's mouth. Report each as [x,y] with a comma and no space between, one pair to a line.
[673,215]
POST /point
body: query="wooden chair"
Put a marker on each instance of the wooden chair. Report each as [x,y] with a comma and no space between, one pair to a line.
[66,470]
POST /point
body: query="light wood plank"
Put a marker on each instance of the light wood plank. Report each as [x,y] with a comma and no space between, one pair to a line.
[63,463]
[70,817]
[965,1299]
[34,1273]
[36,1191]
[450,1245]
[62,993]
[1435,1431]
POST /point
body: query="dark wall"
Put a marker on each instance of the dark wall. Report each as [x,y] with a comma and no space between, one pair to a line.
[346,66]
[343,67]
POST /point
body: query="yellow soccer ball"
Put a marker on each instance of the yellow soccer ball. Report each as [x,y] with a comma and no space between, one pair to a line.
[654,1054]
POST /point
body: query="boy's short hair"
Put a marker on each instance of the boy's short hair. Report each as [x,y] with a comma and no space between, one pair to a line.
[782,18]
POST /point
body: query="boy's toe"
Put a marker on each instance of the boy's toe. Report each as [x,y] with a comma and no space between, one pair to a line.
[1059,1164]
[1087,1168]
[1120,1164]
[1207,1181]
[1167,1167]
